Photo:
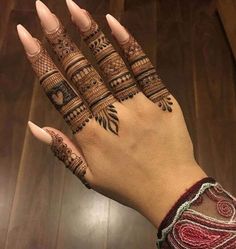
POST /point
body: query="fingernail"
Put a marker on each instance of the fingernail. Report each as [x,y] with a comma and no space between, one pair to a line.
[48,20]
[117,29]
[79,16]
[39,133]
[30,44]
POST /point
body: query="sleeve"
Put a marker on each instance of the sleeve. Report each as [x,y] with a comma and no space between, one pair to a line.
[203,217]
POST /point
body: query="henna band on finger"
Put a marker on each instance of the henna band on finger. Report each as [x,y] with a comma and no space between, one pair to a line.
[64,98]
[114,70]
[72,161]
[146,75]
[85,79]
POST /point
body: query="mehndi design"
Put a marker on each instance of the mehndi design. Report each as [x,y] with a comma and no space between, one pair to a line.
[86,79]
[146,75]
[64,98]
[72,161]
[114,70]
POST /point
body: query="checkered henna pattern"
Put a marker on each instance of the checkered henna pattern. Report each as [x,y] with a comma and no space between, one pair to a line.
[146,75]
[85,79]
[64,98]
[114,70]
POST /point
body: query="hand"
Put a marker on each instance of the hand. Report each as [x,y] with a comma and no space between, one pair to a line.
[132,142]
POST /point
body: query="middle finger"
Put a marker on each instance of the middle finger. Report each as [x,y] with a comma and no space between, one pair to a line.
[80,71]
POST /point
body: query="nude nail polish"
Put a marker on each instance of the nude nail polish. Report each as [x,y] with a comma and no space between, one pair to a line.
[48,20]
[80,17]
[117,29]
[30,44]
[39,133]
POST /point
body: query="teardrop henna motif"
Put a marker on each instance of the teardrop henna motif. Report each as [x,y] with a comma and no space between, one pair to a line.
[84,78]
[72,161]
[146,75]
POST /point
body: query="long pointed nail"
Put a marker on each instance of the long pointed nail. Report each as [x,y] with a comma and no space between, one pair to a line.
[39,133]
[117,29]
[30,44]
[79,16]
[48,20]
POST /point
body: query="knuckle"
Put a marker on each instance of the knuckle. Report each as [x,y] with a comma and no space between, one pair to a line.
[89,135]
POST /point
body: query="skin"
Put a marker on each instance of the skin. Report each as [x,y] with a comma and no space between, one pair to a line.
[150,164]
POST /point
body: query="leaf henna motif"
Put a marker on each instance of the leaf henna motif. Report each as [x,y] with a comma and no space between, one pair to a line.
[108,119]
[85,79]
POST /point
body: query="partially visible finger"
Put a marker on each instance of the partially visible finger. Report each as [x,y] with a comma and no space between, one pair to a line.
[143,70]
[80,71]
[65,151]
[114,70]
[61,94]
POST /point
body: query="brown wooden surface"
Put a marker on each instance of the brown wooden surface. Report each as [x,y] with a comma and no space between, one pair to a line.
[44,206]
[227,9]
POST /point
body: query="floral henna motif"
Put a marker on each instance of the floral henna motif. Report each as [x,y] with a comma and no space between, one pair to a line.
[114,70]
[85,78]
[73,162]
[146,75]
[64,98]
[210,222]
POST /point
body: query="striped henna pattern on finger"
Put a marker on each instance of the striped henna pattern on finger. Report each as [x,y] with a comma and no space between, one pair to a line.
[72,161]
[114,70]
[146,75]
[85,79]
[58,90]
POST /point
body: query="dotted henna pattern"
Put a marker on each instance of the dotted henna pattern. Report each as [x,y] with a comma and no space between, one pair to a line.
[58,90]
[114,70]
[146,75]
[85,79]
[72,161]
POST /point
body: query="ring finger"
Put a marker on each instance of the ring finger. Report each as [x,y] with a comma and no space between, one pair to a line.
[80,71]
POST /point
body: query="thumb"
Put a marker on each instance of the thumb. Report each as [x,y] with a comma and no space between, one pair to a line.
[65,151]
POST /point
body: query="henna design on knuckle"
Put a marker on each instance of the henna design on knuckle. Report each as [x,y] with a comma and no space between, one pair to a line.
[114,70]
[72,161]
[146,75]
[86,79]
[64,98]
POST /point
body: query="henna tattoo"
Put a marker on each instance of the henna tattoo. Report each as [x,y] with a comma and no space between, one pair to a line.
[146,75]
[72,161]
[64,98]
[114,70]
[109,119]
[85,79]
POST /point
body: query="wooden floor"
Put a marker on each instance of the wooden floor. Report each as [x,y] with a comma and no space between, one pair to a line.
[44,206]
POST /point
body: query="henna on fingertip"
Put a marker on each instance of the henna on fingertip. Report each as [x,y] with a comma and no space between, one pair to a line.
[111,64]
[142,68]
[82,74]
[72,161]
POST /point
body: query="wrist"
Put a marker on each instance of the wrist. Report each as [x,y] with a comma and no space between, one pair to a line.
[166,192]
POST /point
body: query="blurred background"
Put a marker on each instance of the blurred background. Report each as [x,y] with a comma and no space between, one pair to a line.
[42,205]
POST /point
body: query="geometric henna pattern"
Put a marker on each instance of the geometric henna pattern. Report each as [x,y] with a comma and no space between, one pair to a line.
[64,98]
[114,70]
[146,75]
[72,161]
[210,222]
[84,77]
